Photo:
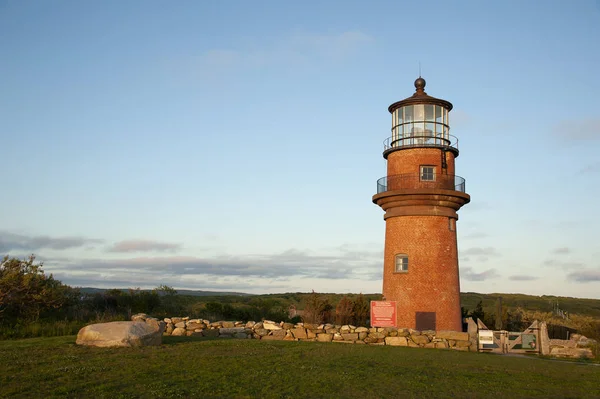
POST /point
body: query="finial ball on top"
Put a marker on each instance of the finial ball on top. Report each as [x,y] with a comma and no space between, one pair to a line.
[420,83]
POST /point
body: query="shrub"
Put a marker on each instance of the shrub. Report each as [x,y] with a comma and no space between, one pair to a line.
[26,293]
[317,310]
[344,311]
[360,310]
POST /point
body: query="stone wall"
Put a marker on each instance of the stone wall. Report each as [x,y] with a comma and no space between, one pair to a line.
[269,330]
[577,347]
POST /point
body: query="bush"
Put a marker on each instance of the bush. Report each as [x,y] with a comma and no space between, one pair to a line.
[361,311]
[344,311]
[317,310]
[26,293]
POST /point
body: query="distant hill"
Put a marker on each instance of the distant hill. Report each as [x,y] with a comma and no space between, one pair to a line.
[469,300]
[544,303]
[92,290]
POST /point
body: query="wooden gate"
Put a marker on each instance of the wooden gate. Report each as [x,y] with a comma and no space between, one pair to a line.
[508,341]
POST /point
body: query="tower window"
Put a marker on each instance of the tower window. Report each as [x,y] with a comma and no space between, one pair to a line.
[401,263]
[428,173]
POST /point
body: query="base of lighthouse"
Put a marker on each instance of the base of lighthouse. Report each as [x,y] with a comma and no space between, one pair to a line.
[421,271]
[427,294]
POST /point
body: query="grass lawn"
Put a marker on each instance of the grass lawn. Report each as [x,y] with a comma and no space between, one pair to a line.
[228,368]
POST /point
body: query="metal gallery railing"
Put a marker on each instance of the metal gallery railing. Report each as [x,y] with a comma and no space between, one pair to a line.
[448,141]
[415,181]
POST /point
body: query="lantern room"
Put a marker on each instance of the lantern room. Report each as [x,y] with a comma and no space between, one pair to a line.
[421,120]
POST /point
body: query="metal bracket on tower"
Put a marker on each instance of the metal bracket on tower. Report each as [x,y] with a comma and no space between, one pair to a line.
[444,163]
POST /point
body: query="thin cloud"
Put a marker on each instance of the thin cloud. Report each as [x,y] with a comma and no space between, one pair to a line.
[476,235]
[523,278]
[477,205]
[578,130]
[563,250]
[337,46]
[590,169]
[562,264]
[297,50]
[468,274]
[584,276]
[290,264]
[20,242]
[480,251]
[125,280]
[144,246]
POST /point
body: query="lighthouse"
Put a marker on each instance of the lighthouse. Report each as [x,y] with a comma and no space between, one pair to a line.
[420,196]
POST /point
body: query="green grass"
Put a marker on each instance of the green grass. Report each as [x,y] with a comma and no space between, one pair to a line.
[220,368]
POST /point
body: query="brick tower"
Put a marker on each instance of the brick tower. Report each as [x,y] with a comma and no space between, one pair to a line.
[420,196]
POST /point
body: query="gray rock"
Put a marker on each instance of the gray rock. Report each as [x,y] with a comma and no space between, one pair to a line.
[194,326]
[572,352]
[278,333]
[139,317]
[299,333]
[169,329]
[179,332]
[269,325]
[324,337]
[156,324]
[403,332]
[231,330]
[350,336]
[396,341]
[120,334]
[455,335]
[377,335]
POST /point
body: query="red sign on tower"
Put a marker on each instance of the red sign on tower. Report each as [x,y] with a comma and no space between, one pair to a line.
[383,313]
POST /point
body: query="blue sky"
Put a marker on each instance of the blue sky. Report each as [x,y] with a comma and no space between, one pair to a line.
[236,145]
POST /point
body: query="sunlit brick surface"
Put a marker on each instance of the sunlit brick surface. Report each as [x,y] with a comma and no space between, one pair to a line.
[420,208]
[418,225]
[432,281]
[409,160]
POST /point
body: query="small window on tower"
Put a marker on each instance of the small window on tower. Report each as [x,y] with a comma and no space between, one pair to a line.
[401,263]
[428,173]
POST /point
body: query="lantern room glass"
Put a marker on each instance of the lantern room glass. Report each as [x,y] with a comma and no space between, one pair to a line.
[420,124]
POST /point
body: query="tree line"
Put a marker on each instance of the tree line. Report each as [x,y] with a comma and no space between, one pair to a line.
[33,303]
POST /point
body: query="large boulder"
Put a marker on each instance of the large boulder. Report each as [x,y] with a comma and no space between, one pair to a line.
[121,334]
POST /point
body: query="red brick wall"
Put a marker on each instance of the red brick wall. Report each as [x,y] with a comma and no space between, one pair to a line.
[432,281]
[408,160]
